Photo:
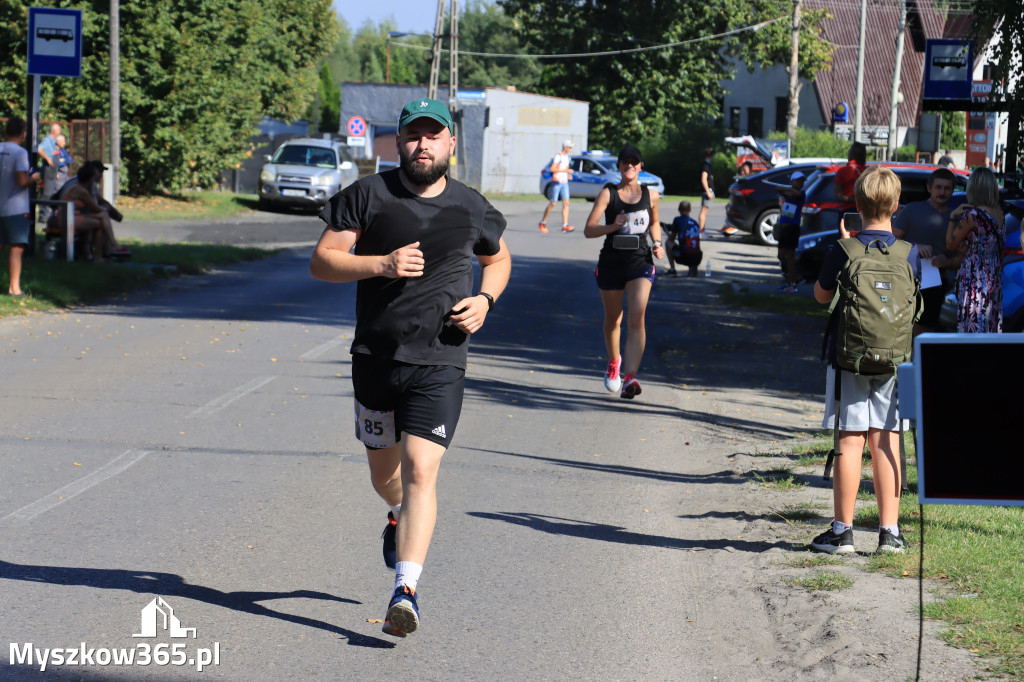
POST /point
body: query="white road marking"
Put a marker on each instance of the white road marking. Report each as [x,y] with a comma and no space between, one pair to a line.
[223,401]
[108,470]
[324,347]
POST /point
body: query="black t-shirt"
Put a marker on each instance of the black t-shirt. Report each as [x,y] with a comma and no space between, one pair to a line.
[638,222]
[705,167]
[406,319]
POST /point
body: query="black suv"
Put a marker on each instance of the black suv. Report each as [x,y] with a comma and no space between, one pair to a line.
[819,222]
[754,204]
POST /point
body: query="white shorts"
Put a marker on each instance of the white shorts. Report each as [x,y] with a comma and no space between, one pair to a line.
[866,402]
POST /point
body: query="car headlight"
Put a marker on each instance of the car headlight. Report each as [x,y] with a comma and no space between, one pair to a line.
[325,180]
[267,176]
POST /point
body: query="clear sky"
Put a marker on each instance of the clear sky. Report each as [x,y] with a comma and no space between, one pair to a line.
[414,16]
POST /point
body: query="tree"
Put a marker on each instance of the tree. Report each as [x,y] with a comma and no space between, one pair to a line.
[329,99]
[196,77]
[1005,21]
[633,95]
[485,27]
[773,44]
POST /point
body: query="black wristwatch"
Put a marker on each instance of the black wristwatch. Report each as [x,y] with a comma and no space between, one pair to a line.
[490,300]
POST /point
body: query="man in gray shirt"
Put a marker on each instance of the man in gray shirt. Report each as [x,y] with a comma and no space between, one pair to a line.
[924,223]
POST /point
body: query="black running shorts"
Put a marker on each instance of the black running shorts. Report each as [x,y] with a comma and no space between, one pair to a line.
[426,399]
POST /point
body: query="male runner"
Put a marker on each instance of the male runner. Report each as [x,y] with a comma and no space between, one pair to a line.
[408,237]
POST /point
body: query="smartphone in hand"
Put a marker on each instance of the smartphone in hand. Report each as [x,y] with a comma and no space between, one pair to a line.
[852,223]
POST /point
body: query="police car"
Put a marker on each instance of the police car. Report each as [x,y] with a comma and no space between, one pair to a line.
[590,171]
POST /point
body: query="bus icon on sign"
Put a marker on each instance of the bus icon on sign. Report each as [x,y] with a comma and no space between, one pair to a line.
[955,62]
[62,34]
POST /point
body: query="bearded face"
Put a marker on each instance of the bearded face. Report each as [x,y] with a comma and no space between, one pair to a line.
[419,172]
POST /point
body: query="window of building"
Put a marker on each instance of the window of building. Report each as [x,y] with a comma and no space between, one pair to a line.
[781,113]
[755,121]
[734,121]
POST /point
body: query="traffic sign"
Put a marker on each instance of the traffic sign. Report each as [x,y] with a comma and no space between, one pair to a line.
[54,42]
[947,69]
[356,126]
[355,141]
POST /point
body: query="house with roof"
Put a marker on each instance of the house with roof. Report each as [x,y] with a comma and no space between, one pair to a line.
[756,103]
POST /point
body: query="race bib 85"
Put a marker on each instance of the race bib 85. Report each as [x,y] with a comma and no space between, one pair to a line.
[375,429]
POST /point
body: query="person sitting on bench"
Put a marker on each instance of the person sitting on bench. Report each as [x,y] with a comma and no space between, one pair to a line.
[90,215]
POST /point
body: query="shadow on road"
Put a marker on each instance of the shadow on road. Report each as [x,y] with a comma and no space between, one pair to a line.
[607,533]
[171,585]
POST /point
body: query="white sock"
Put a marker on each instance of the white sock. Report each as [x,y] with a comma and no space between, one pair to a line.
[895,530]
[407,573]
[838,527]
[396,509]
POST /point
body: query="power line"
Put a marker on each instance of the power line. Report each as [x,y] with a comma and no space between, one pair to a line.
[606,53]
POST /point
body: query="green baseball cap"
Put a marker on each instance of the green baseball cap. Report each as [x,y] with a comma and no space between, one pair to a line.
[430,108]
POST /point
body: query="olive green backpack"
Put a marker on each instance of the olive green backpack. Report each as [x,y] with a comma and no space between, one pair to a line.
[877,302]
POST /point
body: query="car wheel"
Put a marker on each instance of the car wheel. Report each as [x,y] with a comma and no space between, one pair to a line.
[764,227]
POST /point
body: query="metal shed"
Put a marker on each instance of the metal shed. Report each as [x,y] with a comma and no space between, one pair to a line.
[507,136]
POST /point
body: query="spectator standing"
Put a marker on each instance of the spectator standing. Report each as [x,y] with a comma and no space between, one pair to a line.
[787,229]
[558,188]
[979,224]
[923,223]
[16,176]
[408,236]
[946,160]
[47,150]
[707,187]
[866,408]
[846,177]
[64,162]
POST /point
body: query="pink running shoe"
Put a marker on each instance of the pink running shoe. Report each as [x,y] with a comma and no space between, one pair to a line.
[612,381]
[630,388]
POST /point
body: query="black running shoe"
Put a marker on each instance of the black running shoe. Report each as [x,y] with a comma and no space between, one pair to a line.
[834,544]
[388,536]
[887,542]
[403,613]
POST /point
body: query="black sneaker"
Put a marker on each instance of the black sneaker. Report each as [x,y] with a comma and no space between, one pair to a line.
[887,542]
[388,536]
[834,544]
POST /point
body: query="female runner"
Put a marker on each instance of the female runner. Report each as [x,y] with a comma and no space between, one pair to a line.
[623,214]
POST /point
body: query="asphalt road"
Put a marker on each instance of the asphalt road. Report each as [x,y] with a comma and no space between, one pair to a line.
[193,442]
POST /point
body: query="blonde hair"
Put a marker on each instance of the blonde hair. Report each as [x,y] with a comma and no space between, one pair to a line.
[982,188]
[877,193]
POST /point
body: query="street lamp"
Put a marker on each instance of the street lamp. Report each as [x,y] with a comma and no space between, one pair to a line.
[392,34]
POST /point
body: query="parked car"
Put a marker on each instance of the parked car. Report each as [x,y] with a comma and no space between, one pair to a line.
[772,159]
[591,171]
[1011,200]
[754,203]
[819,222]
[306,172]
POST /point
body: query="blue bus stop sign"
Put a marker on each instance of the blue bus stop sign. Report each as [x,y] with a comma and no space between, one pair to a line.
[54,42]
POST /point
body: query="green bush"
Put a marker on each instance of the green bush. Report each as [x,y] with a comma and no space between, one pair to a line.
[677,157]
[812,143]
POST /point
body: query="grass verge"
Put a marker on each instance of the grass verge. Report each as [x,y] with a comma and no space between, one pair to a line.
[191,206]
[822,580]
[786,304]
[50,285]
[973,552]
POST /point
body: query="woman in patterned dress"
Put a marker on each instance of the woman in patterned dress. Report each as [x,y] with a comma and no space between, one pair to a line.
[978,226]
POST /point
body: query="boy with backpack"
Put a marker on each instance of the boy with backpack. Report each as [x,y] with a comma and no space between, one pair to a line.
[870,332]
[683,242]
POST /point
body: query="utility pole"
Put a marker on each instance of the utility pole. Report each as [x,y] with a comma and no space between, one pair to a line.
[895,97]
[453,86]
[435,52]
[794,75]
[860,72]
[115,97]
